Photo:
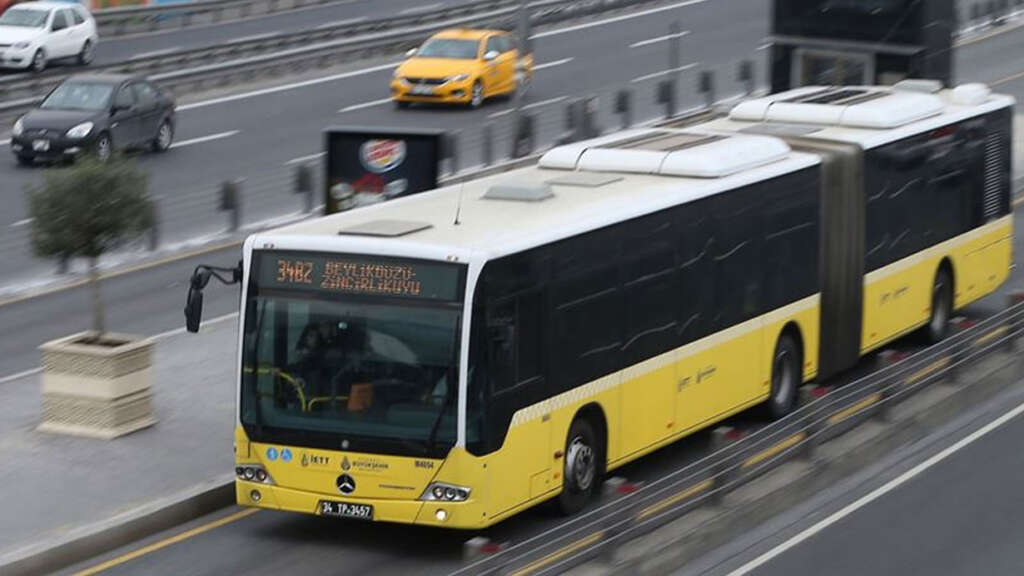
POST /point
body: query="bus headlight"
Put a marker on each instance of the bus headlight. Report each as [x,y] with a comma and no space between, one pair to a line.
[253,473]
[441,492]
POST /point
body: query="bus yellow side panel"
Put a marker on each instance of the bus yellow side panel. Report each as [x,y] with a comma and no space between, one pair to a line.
[648,403]
[898,297]
[525,453]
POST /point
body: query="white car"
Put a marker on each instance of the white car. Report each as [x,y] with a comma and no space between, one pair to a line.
[35,33]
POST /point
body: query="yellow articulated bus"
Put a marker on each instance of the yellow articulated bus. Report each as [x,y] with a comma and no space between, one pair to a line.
[455,357]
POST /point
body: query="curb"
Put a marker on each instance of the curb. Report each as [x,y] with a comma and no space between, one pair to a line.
[96,539]
[708,527]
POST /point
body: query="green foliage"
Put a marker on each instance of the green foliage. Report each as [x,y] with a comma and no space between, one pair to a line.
[89,208]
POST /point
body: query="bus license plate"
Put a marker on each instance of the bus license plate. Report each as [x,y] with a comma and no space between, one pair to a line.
[346,510]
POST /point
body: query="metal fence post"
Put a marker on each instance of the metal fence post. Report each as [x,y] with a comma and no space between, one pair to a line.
[63,263]
[745,74]
[451,150]
[667,97]
[523,136]
[154,224]
[230,201]
[624,107]
[488,143]
[706,86]
[1014,323]
[304,184]
[589,127]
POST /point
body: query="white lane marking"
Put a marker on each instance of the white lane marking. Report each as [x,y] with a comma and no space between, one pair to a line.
[553,63]
[202,139]
[302,159]
[160,336]
[286,87]
[252,37]
[365,105]
[340,22]
[424,8]
[155,53]
[614,19]
[764,46]
[646,77]
[5,142]
[21,223]
[877,493]
[529,106]
[20,375]
[650,41]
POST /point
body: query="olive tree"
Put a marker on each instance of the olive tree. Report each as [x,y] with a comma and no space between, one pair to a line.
[86,210]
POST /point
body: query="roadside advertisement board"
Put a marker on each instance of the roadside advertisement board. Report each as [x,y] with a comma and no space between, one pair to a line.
[367,165]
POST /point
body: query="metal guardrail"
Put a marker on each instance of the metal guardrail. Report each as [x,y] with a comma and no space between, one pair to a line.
[600,532]
[292,51]
[113,22]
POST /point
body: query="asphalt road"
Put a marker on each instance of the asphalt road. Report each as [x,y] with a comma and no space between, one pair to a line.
[119,49]
[260,134]
[947,506]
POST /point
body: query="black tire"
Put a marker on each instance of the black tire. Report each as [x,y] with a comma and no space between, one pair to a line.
[87,53]
[103,148]
[164,137]
[581,468]
[400,104]
[476,97]
[786,377]
[24,160]
[38,61]
[942,307]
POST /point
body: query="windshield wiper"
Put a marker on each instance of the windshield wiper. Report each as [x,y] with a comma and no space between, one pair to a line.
[453,385]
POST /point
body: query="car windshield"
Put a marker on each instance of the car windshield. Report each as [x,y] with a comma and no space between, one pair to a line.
[24,18]
[449,48]
[315,366]
[79,96]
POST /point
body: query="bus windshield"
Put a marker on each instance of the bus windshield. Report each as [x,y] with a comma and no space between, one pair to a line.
[335,370]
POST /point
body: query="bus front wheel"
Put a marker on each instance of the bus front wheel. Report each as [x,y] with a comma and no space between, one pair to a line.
[786,378]
[581,470]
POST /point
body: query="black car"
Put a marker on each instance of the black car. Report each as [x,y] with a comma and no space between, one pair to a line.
[97,113]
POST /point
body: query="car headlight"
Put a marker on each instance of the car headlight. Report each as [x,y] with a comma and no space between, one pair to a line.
[21,45]
[457,78]
[441,492]
[19,127]
[80,131]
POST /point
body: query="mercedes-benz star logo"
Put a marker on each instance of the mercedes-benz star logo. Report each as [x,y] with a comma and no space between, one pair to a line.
[346,484]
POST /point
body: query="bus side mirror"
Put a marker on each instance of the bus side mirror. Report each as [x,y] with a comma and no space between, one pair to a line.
[193,309]
[194,301]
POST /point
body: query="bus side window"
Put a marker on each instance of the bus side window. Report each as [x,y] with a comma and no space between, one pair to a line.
[501,344]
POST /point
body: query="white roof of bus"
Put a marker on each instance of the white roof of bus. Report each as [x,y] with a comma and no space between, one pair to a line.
[876,116]
[491,228]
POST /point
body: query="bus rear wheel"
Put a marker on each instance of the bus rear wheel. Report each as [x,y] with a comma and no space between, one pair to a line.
[786,363]
[581,469]
[942,307]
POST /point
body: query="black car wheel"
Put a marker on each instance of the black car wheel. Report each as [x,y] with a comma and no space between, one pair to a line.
[39,61]
[87,53]
[24,160]
[164,137]
[104,147]
[401,104]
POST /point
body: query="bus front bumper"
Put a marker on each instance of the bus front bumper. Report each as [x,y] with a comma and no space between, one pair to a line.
[463,515]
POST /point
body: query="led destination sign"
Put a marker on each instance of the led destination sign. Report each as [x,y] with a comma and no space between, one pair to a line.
[330,273]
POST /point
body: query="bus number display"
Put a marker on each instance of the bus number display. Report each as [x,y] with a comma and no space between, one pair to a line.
[348,274]
[294,272]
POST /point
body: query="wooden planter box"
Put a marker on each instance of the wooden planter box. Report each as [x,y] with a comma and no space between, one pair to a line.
[97,389]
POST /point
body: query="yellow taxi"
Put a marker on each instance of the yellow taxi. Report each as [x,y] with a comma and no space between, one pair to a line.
[462,67]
